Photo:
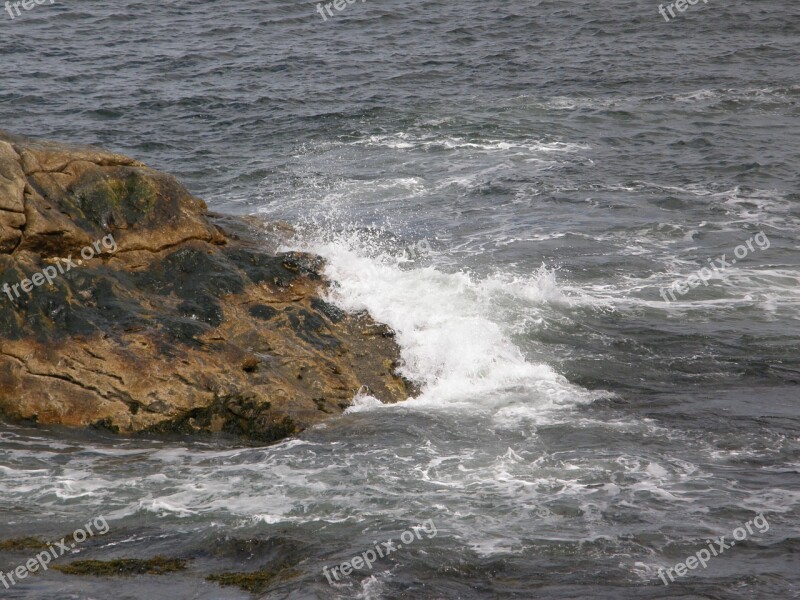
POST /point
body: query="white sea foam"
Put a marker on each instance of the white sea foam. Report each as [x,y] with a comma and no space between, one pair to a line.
[451,338]
[408,141]
[162,507]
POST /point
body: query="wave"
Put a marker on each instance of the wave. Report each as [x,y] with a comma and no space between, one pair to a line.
[407,141]
[454,340]
[767,96]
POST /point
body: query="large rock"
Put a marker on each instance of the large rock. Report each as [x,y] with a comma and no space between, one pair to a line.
[181,321]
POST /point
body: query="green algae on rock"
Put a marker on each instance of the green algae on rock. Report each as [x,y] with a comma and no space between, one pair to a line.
[23,543]
[254,581]
[158,565]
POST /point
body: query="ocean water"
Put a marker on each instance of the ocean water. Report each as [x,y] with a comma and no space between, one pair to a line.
[512,186]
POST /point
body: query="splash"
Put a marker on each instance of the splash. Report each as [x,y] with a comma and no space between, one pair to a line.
[454,339]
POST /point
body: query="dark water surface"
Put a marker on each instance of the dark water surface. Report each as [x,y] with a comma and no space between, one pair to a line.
[512,186]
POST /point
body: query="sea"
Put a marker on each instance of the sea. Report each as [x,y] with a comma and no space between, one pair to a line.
[581,220]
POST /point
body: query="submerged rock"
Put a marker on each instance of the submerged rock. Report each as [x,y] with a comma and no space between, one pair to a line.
[252,581]
[23,543]
[125,305]
[158,565]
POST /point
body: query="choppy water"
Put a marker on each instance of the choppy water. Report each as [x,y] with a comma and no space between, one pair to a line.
[551,166]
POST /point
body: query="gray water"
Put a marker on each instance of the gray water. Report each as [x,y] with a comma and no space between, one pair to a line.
[512,187]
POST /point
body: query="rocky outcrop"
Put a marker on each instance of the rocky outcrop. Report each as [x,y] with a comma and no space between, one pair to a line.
[174,320]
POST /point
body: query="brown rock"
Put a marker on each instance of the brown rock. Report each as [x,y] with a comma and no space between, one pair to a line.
[187,322]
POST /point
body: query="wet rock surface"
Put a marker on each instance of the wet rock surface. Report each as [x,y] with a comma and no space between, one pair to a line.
[193,324]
